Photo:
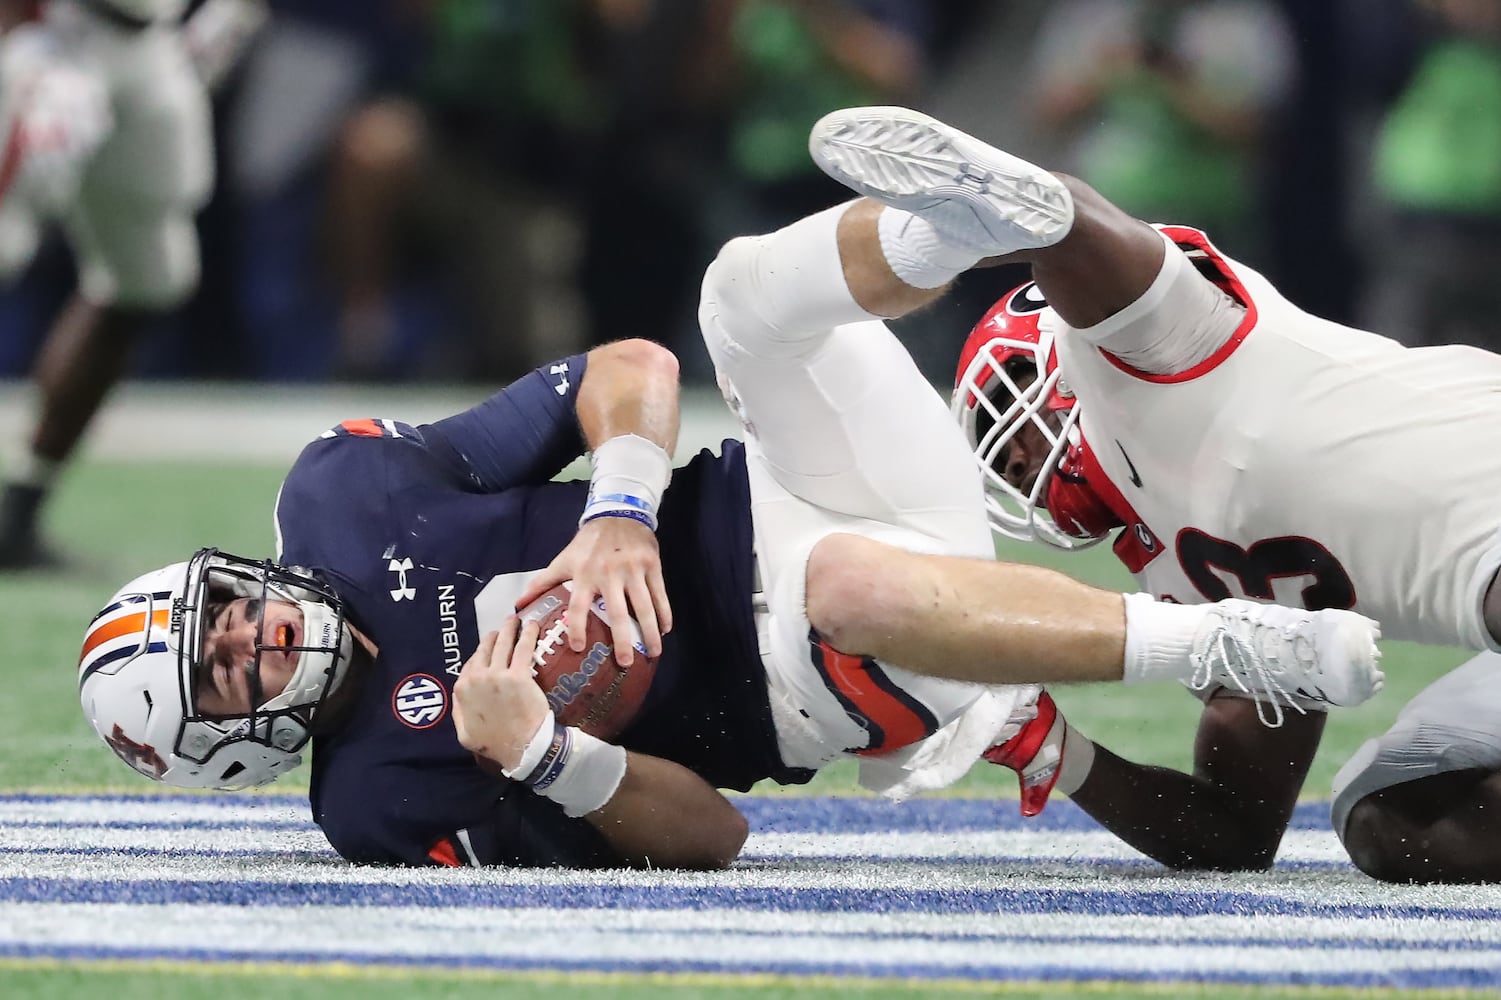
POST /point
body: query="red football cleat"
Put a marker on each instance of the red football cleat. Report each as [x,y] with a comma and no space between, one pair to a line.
[1035,754]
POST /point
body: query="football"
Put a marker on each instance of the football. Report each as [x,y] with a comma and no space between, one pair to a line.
[590,690]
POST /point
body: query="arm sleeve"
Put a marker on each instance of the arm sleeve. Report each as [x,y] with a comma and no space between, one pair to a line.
[528,831]
[1179,322]
[526,433]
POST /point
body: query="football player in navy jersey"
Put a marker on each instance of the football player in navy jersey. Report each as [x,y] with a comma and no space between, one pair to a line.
[1145,381]
[782,581]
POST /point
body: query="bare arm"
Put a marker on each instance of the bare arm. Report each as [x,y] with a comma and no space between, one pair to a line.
[630,389]
[1231,813]
[14,12]
[660,814]
[665,816]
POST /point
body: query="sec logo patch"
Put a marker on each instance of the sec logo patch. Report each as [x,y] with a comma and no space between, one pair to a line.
[420,701]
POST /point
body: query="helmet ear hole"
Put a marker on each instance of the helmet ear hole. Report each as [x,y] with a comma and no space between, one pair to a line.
[232,770]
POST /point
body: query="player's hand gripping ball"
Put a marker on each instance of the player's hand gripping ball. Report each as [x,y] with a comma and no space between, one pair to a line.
[590,690]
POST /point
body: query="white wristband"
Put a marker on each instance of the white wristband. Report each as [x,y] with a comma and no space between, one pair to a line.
[577,771]
[592,776]
[630,476]
[532,755]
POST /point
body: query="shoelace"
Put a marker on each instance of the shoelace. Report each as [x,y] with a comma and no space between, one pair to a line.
[1260,680]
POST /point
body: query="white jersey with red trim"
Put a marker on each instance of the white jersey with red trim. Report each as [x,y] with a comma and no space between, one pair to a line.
[1303,462]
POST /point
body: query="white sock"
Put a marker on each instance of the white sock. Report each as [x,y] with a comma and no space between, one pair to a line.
[1159,637]
[916,252]
[1077,760]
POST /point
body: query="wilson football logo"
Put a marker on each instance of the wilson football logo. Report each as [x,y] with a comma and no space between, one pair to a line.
[420,701]
[569,686]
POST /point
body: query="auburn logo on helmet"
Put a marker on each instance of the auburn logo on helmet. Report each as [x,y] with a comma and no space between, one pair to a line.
[141,756]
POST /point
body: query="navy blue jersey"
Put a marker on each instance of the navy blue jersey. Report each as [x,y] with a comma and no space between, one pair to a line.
[429,534]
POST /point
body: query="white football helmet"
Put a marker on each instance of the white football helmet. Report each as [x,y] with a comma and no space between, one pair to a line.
[1008,379]
[143,655]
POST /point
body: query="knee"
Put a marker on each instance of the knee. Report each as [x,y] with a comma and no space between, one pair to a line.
[1379,843]
[727,280]
[155,283]
[845,597]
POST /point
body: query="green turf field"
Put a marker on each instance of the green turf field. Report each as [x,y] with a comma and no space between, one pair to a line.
[120,519]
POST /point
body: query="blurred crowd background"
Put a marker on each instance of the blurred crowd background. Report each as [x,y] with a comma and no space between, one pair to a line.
[462,189]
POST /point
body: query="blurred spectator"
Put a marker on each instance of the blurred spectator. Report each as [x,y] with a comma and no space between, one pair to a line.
[297,110]
[1170,102]
[107,136]
[1436,177]
[760,73]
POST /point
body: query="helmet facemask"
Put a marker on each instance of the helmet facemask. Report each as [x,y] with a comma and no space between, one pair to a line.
[144,661]
[1008,381]
[283,722]
[993,402]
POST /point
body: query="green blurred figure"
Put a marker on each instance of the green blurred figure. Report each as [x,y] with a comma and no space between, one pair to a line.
[1167,103]
[1436,173]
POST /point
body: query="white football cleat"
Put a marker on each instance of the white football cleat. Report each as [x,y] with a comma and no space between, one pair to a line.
[1283,656]
[976,196]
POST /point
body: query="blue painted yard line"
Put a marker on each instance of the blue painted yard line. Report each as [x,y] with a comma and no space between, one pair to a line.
[657,897]
[957,860]
[1452,978]
[1018,863]
[766,814]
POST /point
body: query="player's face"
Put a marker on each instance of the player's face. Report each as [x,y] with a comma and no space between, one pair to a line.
[235,629]
[1021,460]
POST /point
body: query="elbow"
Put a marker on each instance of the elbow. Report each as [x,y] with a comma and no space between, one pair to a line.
[712,843]
[723,845]
[640,355]
[732,838]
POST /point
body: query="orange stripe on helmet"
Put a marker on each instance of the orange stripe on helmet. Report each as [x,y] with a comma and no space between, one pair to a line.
[364,428]
[850,677]
[117,627]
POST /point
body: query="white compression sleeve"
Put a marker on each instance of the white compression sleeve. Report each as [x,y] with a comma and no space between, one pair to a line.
[1179,321]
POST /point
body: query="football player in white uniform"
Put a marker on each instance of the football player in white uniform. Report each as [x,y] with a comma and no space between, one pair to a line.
[1247,449]
[104,116]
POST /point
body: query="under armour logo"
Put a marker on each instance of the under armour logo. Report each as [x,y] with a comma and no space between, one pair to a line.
[401,567]
[561,371]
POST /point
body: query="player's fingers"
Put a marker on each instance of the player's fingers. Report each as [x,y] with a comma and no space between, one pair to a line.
[482,654]
[620,629]
[525,648]
[578,616]
[663,606]
[544,581]
[646,616]
[505,642]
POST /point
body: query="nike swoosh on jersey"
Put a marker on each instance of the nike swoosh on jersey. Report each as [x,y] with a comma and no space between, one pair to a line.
[1135,476]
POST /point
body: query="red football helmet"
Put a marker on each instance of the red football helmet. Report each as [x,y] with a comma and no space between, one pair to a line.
[1008,378]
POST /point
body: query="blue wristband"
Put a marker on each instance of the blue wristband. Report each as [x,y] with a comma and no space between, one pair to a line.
[634,515]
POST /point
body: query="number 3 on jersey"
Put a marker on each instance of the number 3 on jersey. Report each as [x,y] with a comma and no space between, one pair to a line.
[1208,562]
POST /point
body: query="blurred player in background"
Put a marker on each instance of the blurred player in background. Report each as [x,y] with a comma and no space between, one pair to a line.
[1147,382]
[104,116]
[846,535]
